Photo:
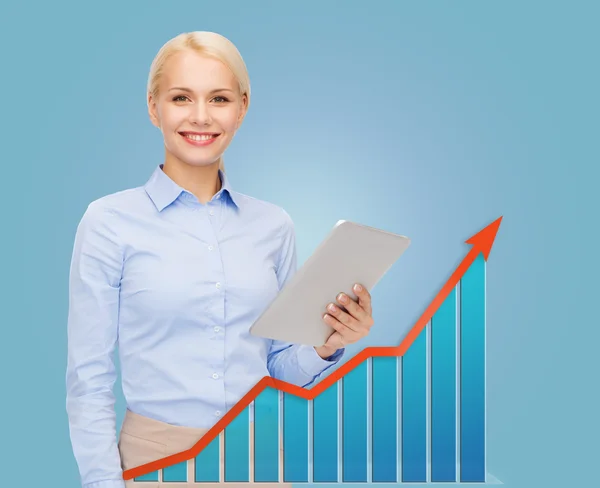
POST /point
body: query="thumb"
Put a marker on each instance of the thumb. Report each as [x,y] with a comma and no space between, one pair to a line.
[335,341]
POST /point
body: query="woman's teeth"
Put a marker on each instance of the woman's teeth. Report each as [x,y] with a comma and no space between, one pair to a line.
[197,137]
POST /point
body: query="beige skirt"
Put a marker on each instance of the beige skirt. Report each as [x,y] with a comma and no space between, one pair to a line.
[143,440]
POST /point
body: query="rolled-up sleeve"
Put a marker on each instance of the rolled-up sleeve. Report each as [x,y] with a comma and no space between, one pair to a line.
[294,363]
[94,282]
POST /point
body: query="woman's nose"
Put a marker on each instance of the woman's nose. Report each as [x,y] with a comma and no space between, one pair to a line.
[201,114]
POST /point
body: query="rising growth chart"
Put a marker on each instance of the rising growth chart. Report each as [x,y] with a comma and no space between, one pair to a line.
[410,413]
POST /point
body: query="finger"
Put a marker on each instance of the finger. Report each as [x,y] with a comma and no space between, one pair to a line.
[349,336]
[353,308]
[364,298]
[344,317]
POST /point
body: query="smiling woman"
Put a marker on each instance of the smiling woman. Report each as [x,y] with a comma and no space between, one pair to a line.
[174,273]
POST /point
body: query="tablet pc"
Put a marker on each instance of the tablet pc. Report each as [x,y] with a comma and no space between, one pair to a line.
[351,253]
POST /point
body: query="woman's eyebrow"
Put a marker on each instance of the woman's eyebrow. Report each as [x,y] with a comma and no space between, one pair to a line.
[182,88]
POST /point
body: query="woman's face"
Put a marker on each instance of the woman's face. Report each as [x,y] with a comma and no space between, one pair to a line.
[198,108]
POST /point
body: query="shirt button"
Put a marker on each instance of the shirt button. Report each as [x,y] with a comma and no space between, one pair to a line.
[210,248]
[218,285]
[217,329]
[212,212]
[218,413]
[215,376]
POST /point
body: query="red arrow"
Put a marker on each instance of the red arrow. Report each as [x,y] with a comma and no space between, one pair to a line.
[482,243]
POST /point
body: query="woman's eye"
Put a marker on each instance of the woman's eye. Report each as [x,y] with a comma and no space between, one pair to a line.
[220,99]
[178,97]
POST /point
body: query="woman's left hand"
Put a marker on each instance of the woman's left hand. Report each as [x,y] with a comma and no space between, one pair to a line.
[350,326]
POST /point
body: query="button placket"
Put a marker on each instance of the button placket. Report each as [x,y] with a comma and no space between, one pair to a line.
[215,273]
[212,274]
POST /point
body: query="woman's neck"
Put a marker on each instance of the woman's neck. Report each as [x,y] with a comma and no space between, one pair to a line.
[201,181]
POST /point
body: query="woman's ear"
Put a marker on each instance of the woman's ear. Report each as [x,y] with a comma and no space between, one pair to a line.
[243,110]
[153,111]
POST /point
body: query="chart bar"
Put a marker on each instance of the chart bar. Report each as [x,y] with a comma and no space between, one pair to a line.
[147,477]
[472,373]
[384,419]
[354,422]
[176,472]
[443,391]
[414,411]
[266,436]
[325,436]
[295,439]
[207,463]
[237,448]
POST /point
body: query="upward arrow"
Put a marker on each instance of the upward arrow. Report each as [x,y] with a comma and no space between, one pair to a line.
[482,243]
[484,239]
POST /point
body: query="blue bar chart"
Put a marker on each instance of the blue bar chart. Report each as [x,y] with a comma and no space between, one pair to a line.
[415,418]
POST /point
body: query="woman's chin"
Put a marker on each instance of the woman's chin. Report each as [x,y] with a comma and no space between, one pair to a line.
[197,162]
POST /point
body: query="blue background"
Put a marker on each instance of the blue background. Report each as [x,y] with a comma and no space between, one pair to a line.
[429,119]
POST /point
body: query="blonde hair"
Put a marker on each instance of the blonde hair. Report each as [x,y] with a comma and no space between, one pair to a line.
[208,44]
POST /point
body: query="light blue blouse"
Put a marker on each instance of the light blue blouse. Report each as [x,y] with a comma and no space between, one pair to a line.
[174,286]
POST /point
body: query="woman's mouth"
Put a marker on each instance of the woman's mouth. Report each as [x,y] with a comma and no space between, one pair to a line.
[199,138]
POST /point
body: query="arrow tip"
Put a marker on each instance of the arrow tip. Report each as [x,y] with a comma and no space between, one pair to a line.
[484,239]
